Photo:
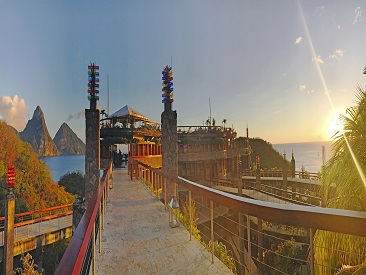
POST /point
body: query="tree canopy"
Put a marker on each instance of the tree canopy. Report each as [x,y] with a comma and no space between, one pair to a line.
[34,188]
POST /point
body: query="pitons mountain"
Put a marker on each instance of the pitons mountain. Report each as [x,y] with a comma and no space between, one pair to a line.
[68,142]
[36,134]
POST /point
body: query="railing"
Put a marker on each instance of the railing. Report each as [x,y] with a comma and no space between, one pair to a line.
[80,254]
[279,174]
[263,237]
[34,223]
[272,191]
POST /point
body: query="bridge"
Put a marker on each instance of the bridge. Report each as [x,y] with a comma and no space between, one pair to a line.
[35,229]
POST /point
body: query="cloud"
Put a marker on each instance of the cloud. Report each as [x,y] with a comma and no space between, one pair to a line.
[302,88]
[298,40]
[77,116]
[337,54]
[358,15]
[318,59]
[14,111]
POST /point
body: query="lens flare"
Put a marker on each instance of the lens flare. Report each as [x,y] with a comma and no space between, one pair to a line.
[320,73]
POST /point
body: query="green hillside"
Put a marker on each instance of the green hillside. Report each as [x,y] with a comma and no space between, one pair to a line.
[269,157]
[34,188]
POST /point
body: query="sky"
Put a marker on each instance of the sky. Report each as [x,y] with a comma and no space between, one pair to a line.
[285,68]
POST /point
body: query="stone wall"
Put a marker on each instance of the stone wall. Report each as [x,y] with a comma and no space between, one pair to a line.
[169,147]
[92,154]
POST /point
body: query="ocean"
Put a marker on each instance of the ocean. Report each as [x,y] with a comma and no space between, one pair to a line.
[60,165]
[306,154]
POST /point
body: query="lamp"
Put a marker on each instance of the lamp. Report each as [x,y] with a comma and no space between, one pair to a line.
[10,177]
[173,212]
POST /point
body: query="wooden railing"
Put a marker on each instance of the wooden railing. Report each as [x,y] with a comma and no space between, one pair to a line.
[252,214]
[79,255]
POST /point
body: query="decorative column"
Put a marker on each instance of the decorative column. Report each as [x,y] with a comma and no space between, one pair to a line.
[169,135]
[284,182]
[293,164]
[92,152]
[258,173]
[9,222]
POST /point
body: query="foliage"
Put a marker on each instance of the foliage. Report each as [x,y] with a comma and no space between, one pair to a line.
[27,266]
[34,188]
[221,253]
[52,255]
[269,157]
[343,187]
[184,218]
[283,257]
[219,248]
[73,183]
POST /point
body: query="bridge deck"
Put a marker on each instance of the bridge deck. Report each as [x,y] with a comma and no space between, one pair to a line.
[137,238]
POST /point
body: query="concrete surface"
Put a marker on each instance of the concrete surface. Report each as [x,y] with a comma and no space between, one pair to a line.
[137,238]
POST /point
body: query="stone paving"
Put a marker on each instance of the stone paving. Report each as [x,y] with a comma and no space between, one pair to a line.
[137,238]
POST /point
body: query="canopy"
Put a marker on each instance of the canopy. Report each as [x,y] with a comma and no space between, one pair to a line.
[127,111]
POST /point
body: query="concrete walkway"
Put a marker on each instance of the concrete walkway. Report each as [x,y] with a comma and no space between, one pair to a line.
[137,238]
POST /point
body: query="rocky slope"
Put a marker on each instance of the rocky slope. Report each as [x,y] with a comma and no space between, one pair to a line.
[68,142]
[37,135]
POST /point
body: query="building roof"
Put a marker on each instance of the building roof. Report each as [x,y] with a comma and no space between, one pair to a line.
[127,111]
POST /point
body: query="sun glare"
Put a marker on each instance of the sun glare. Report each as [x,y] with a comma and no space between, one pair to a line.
[334,125]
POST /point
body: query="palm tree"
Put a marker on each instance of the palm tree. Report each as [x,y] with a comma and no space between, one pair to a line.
[224,122]
[343,187]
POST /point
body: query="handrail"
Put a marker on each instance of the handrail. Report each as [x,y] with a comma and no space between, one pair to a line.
[73,259]
[330,219]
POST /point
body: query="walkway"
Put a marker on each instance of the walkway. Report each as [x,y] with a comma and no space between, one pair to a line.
[137,238]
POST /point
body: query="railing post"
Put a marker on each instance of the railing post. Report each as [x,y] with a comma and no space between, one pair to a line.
[249,246]
[100,230]
[157,186]
[165,202]
[212,231]
[190,214]
[94,258]
[311,251]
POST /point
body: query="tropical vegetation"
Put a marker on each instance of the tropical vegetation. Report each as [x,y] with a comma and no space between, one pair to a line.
[344,187]
[34,188]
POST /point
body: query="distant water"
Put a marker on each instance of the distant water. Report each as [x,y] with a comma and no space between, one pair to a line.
[60,165]
[307,154]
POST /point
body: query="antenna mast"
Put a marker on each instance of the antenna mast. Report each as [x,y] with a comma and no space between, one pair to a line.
[108,94]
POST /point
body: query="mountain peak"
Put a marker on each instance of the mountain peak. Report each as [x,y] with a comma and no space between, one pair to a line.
[37,135]
[68,142]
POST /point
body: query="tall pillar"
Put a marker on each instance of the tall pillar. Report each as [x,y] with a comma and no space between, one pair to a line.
[293,164]
[92,154]
[9,232]
[169,138]
[169,135]
[284,181]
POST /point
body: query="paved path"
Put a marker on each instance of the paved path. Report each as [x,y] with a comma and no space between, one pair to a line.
[137,238]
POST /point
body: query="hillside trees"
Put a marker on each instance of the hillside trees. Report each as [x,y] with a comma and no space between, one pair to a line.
[34,188]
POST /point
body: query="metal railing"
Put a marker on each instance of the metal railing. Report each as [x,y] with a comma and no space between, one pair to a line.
[79,256]
[279,174]
[35,223]
[261,189]
[262,237]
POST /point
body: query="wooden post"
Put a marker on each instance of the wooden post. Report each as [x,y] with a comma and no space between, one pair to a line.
[212,231]
[260,239]
[9,232]
[249,246]
[190,214]
[311,251]
[165,202]
[100,230]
